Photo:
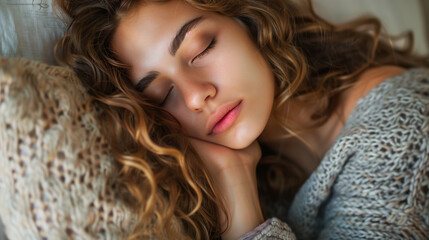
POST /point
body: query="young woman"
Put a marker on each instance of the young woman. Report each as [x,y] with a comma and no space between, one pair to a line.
[219,111]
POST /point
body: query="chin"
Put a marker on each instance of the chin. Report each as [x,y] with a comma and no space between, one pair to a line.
[242,139]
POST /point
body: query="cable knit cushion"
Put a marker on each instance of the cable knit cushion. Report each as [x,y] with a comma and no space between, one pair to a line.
[57,174]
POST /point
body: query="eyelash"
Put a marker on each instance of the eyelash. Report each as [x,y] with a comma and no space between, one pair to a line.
[166,97]
[207,50]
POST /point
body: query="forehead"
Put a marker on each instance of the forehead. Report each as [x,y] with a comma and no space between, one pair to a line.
[149,29]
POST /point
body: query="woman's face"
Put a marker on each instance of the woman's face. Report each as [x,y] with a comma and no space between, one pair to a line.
[201,67]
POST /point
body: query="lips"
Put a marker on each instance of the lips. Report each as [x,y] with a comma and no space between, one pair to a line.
[223,118]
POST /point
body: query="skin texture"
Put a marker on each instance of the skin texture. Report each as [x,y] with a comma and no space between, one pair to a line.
[230,72]
[233,71]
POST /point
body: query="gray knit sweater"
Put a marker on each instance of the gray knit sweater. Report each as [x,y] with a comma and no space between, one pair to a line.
[374,181]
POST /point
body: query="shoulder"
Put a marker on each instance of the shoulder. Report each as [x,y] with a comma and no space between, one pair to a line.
[406,93]
[375,175]
[382,159]
[396,107]
[365,83]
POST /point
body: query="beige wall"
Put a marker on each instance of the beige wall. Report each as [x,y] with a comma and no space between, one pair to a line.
[425,10]
[397,16]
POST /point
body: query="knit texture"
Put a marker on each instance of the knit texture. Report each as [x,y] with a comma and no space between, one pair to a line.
[374,181]
[273,229]
[57,173]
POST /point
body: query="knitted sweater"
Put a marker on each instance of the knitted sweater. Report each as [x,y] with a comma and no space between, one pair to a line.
[373,183]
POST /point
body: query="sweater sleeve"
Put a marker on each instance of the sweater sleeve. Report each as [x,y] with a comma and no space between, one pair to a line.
[272,228]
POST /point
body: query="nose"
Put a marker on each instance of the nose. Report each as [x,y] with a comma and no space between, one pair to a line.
[196,93]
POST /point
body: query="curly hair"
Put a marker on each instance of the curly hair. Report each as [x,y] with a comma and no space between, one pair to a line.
[309,57]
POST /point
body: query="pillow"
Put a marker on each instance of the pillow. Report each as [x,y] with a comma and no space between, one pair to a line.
[29,29]
[57,173]
[2,234]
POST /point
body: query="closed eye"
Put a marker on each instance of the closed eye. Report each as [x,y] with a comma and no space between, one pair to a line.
[166,97]
[207,50]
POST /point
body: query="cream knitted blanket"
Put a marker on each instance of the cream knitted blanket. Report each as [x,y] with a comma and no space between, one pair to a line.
[57,174]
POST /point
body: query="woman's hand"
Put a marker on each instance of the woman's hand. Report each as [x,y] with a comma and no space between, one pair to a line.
[234,175]
[218,158]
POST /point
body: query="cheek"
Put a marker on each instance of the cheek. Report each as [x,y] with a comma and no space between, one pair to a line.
[190,125]
[228,70]
[241,69]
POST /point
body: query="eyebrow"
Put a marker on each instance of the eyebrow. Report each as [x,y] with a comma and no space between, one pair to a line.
[174,46]
[180,35]
[144,82]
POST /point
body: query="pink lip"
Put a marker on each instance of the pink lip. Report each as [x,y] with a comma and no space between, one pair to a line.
[223,118]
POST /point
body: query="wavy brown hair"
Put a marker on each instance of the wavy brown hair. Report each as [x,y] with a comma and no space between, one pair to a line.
[309,57]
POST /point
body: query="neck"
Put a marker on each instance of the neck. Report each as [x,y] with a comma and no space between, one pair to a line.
[296,114]
[307,144]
